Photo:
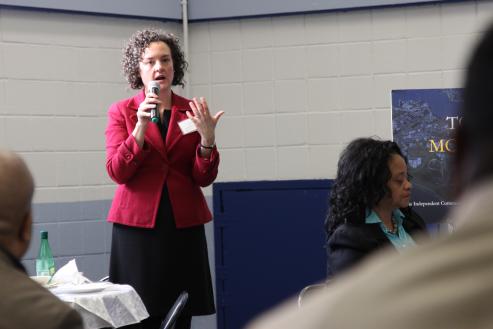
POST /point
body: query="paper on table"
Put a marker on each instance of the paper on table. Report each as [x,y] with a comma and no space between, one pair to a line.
[114,306]
[80,288]
[69,273]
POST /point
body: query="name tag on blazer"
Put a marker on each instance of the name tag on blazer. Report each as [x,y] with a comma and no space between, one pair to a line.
[187,126]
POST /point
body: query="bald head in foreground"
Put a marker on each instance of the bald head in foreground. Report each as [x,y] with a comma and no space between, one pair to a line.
[23,303]
[445,283]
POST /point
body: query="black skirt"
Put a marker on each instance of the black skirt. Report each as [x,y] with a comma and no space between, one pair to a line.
[161,262]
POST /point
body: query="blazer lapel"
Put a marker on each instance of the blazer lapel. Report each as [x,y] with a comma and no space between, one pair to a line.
[152,135]
[174,131]
[178,113]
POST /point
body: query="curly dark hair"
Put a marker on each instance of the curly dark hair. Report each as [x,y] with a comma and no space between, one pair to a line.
[361,182]
[134,49]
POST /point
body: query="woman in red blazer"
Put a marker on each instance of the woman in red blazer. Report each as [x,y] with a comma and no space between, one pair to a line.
[158,212]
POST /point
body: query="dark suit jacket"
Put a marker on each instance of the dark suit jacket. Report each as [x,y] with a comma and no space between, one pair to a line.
[25,304]
[142,173]
[350,243]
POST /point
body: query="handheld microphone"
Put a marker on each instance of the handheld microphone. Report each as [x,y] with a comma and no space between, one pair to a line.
[153,87]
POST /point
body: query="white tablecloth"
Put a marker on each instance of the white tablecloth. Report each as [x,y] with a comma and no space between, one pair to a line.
[114,306]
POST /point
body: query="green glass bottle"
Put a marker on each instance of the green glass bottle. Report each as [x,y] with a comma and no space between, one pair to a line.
[45,264]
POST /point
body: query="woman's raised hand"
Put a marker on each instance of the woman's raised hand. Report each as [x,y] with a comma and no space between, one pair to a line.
[203,120]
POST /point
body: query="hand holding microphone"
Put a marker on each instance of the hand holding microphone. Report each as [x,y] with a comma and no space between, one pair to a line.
[148,111]
[154,88]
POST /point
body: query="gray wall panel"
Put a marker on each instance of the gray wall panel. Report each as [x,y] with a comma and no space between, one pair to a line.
[161,9]
[79,230]
[206,9]
[216,9]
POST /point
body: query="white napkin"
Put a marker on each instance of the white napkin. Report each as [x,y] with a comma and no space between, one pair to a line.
[69,273]
[117,305]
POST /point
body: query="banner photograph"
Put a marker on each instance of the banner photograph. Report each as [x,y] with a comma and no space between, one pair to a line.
[423,124]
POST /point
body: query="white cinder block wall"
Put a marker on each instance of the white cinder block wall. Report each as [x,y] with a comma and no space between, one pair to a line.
[295,90]
[58,75]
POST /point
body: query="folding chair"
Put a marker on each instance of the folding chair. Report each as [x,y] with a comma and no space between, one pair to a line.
[175,311]
[309,290]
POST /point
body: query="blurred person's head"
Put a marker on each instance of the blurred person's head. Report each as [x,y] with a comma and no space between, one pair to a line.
[370,174]
[16,192]
[145,51]
[474,156]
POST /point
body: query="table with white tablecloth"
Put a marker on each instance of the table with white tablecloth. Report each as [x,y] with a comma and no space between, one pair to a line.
[103,304]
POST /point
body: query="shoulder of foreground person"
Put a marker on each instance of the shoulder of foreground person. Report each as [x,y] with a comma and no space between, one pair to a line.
[28,305]
[444,283]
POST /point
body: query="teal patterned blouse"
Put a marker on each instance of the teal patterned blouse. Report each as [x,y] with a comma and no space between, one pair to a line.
[399,238]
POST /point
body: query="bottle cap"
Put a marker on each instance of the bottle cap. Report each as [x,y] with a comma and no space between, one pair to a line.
[155,119]
[44,234]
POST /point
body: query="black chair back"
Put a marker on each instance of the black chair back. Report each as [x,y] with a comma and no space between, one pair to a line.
[175,311]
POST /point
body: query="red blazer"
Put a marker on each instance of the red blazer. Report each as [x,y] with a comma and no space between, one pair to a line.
[141,173]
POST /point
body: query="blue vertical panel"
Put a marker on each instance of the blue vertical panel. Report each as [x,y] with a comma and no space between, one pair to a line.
[269,244]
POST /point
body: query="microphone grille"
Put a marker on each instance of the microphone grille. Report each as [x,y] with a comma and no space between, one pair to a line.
[154,86]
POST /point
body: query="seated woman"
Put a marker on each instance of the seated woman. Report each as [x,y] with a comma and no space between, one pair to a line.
[369,204]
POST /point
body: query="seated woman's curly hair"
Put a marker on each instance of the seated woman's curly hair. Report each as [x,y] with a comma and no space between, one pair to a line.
[134,49]
[361,182]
